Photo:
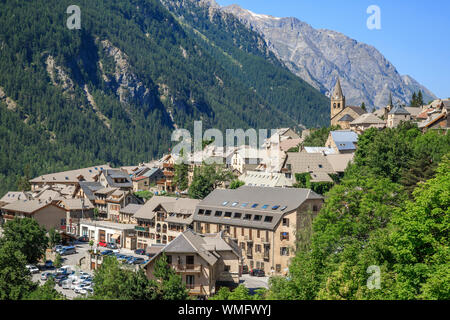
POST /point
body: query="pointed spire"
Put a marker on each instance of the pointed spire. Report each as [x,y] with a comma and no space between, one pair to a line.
[390,100]
[337,94]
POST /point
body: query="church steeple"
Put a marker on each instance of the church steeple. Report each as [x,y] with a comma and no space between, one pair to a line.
[337,101]
[337,93]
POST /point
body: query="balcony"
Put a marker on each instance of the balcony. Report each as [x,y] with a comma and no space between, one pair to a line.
[141,228]
[192,268]
[167,165]
[168,173]
[195,289]
[100,201]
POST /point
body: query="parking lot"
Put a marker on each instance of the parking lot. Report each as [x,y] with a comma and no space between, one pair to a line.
[73,261]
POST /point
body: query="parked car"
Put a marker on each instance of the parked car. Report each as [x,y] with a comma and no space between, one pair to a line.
[44,275]
[102,244]
[49,264]
[138,260]
[84,238]
[32,268]
[68,250]
[58,248]
[107,252]
[257,273]
[140,251]
[112,245]
[66,284]
[87,290]
[80,287]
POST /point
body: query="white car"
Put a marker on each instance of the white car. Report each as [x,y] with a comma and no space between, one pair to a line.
[80,279]
[32,269]
[67,284]
[87,290]
[81,286]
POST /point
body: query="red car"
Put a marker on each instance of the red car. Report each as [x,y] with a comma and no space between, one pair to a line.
[102,244]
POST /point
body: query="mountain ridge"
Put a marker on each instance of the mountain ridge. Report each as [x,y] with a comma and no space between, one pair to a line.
[311,54]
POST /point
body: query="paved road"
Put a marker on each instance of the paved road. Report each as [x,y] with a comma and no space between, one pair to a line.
[254,283]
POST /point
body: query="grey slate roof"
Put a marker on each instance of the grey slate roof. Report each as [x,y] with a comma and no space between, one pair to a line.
[89,188]
[399,110]
[206,246]
[131,208]
[347,117]
[110,175]
[288,199]
[344,139]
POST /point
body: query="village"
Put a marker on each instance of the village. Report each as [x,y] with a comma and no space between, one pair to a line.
[231,233]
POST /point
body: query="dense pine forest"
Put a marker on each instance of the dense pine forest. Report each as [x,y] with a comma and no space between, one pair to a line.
[114,90]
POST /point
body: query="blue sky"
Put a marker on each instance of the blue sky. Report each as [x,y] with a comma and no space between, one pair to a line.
[414,35]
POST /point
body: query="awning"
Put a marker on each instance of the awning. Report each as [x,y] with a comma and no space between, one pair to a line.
[115,236]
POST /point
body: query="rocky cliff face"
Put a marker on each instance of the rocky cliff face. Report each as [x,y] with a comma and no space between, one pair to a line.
[319,56]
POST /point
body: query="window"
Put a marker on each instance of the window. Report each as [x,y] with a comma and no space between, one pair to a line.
[275,207]
[224,203]
[284,251]
[278,267]
[243,244]
[218,213]
[254,205]
[234,204]
[190,284]
[226,268]
[207,212]
[237,215]
[257,218]
[169,259]
[314,208]
[247,216]
[227,214]
[265,206]
[320,166]
[286,222]
[258,248]
[201,211]
[268,219]
[189,259]
[284,236]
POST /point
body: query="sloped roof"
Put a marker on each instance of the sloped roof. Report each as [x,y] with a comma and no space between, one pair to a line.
[71,176]
[367,118]
[12,196]
[358,110]
[265,179]
[399,110]
[279,201]
[340,161]
[206,246]
[76,204]
[344,139]
[320,177]
[170,204]
[337,92]
[287,144]
[26,206]
[110,175]
[323,150]
[305,162]
[347,117]
[131,208]
[89,188]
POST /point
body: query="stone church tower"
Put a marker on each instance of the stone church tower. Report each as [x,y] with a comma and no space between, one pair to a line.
[337,100]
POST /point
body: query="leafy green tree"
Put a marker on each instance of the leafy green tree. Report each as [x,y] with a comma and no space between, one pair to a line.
[58,261]
[240,293]
[318,137]
[144,194]
[207,178]
[46,291]
[15,279]
[113,282]
[54,237]
[181,176]
[363,106]
[236,184]
[28,237]
[169,284]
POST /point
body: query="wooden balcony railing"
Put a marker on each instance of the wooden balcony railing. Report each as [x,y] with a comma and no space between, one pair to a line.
[195,289]
[188,267]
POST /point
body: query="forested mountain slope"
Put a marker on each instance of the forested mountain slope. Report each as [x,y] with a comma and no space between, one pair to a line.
[114,90]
